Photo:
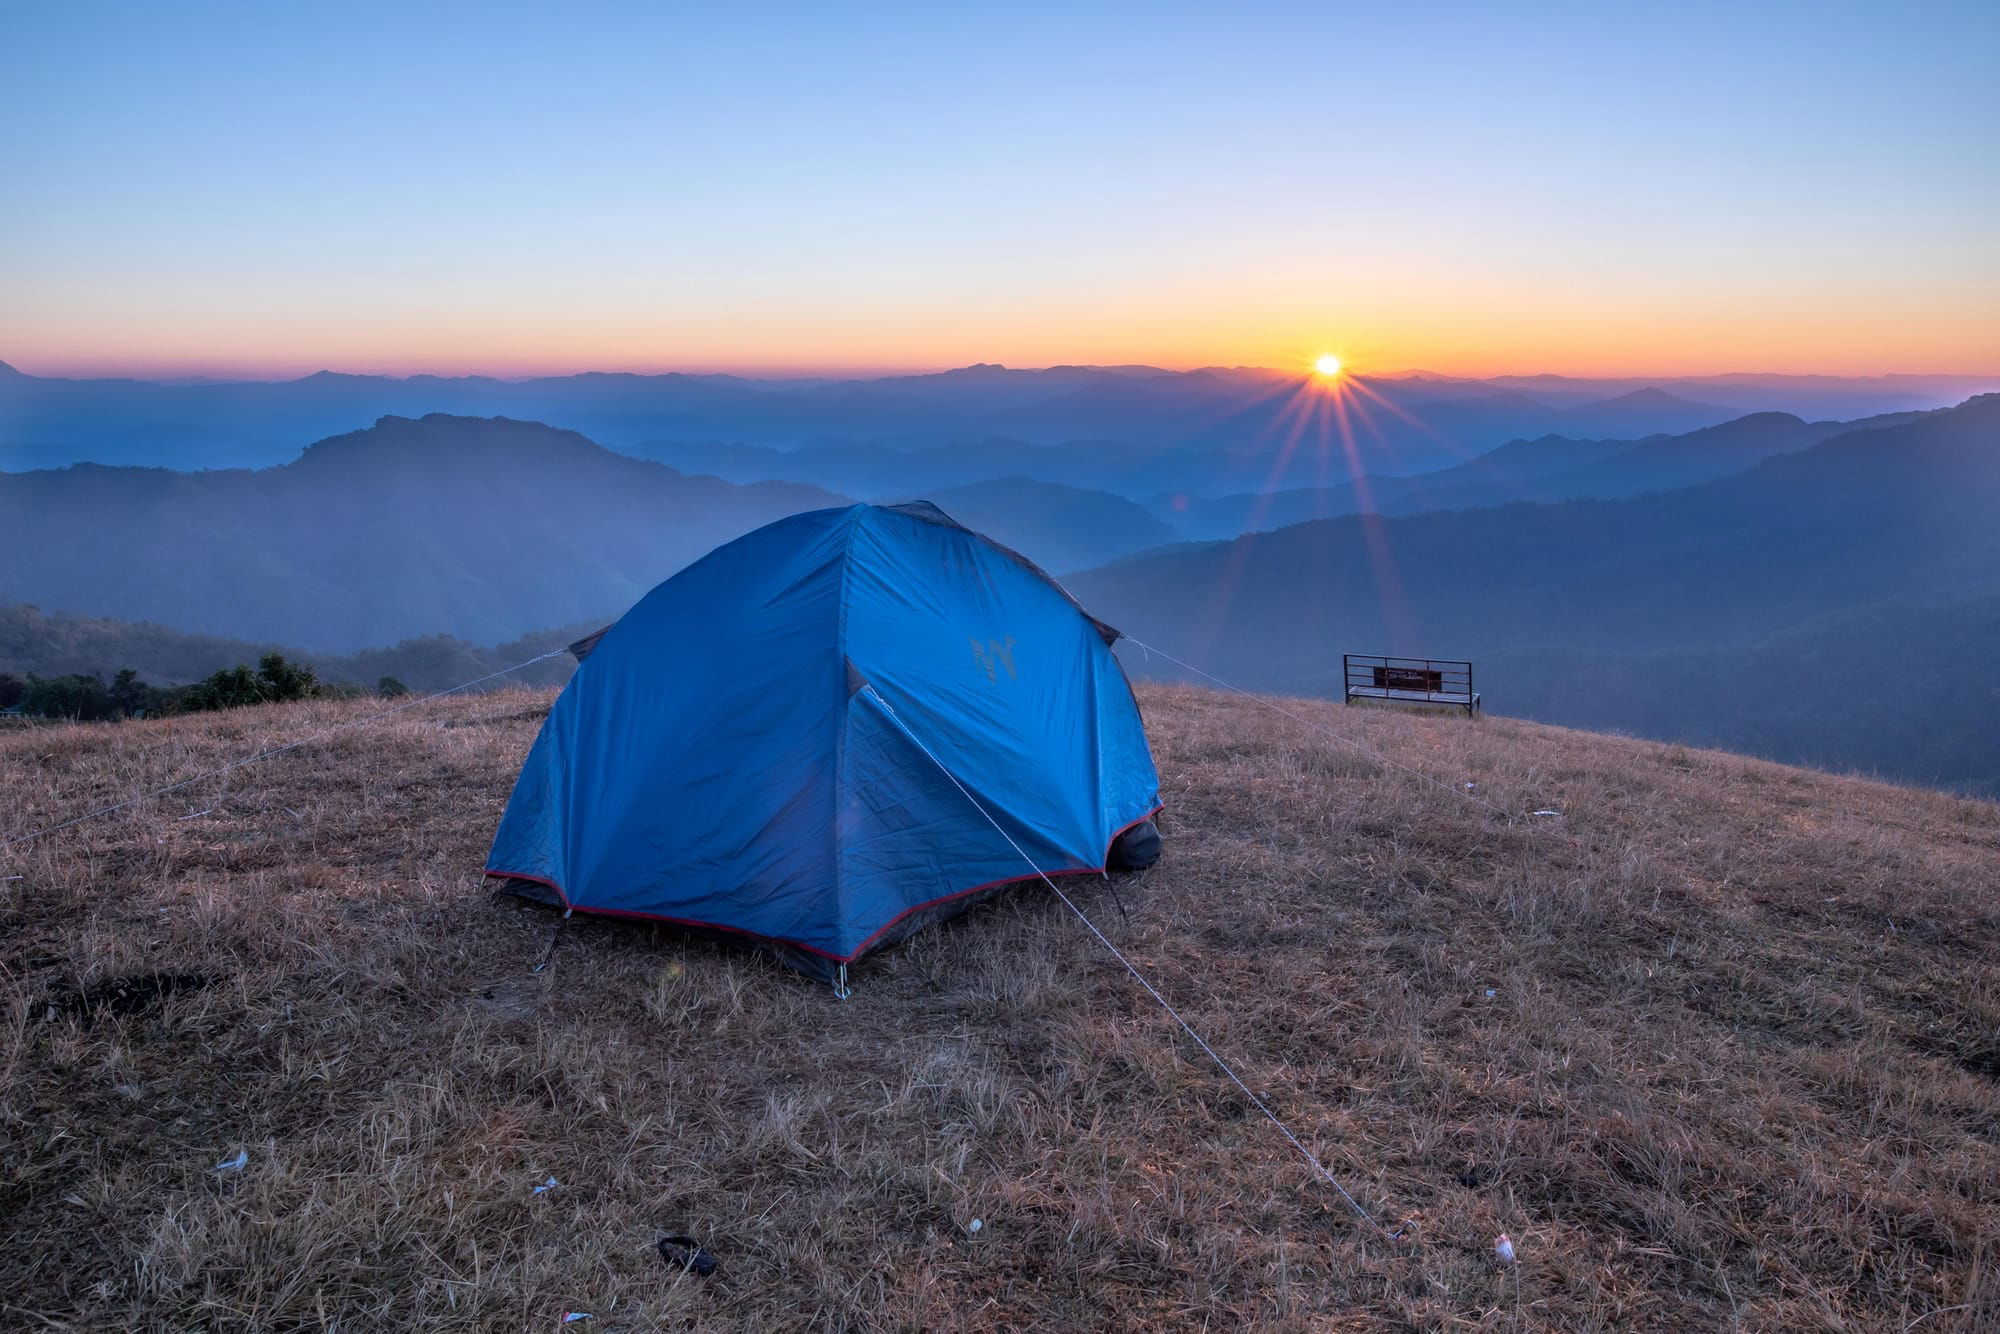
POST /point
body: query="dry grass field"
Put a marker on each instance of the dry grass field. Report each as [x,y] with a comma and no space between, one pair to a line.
[1718,1046]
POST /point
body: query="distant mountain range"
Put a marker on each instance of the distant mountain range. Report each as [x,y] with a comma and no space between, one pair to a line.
[1551,468]
[874,471]
[1420,422]
[1060,528]
[488,529]
[1751,583]
[485,528]
[1544,596]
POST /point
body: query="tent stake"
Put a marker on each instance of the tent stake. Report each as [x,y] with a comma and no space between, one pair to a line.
[551,951]
[1119,899]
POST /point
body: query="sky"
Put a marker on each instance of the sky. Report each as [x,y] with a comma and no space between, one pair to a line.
[206,189]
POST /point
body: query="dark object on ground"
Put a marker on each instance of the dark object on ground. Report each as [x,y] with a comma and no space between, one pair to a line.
[687,1253]
[131,994]
[1136,848]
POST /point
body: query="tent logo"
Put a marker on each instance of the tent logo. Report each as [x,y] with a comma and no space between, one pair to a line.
[993,654]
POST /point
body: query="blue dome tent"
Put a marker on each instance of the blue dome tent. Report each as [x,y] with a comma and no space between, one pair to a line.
[806,739]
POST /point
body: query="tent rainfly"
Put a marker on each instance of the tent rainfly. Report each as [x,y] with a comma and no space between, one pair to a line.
[821,737]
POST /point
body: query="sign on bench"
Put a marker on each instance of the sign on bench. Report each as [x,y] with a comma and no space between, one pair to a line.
[1407,678]
[1410,680]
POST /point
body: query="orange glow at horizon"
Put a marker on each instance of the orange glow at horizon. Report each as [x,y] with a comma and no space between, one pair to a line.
[1508,334]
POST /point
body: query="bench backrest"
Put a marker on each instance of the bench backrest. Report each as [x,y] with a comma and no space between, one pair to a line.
[1426,676]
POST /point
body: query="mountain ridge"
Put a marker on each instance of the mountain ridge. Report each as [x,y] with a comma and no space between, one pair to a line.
[49,421]
[1897,513]
[402,529]
[1547,469]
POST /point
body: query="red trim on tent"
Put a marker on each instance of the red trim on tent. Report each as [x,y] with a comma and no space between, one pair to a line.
[837,958]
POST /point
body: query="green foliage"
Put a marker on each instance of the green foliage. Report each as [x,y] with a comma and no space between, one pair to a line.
[133,698]
[54,645]
[283,680]
[276,680]
[390,688]
[83,698]
[230,688]
[57,644]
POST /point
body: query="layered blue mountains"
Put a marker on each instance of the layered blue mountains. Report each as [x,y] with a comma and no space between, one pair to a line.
[1806,568]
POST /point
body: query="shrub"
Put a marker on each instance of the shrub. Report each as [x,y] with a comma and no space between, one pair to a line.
[284,680]
[230,688]
[275,679]
[133,698]
[80,697]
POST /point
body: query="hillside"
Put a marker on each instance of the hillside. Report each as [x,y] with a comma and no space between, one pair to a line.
[1648,411]
[1685,460]
[1550,468]
[1868,518]
[1715,1048]
[1059,527]
[1902,691]
[42,644]
[485,529]
[1835,396]
[875,471]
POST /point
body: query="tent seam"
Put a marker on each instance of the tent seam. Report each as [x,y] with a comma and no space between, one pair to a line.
[847,667]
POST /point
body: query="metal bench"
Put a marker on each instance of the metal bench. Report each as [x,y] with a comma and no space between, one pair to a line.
[1410,680]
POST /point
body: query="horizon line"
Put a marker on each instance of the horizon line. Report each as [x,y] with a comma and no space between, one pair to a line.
[766,374]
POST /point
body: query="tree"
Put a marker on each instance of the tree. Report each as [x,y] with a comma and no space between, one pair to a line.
[80,697]
[284,680]
[230,688]
[131,697]
[276,679]
[11,689]
[390,688]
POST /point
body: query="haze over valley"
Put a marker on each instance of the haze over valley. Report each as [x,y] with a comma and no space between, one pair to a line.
[1256,524]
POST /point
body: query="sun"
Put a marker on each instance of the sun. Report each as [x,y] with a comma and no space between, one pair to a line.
[1328,365]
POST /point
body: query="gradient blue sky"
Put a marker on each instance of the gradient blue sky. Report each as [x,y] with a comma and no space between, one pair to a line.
[198,188]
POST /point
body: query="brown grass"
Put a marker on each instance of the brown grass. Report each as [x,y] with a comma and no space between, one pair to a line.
[1719,1048]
